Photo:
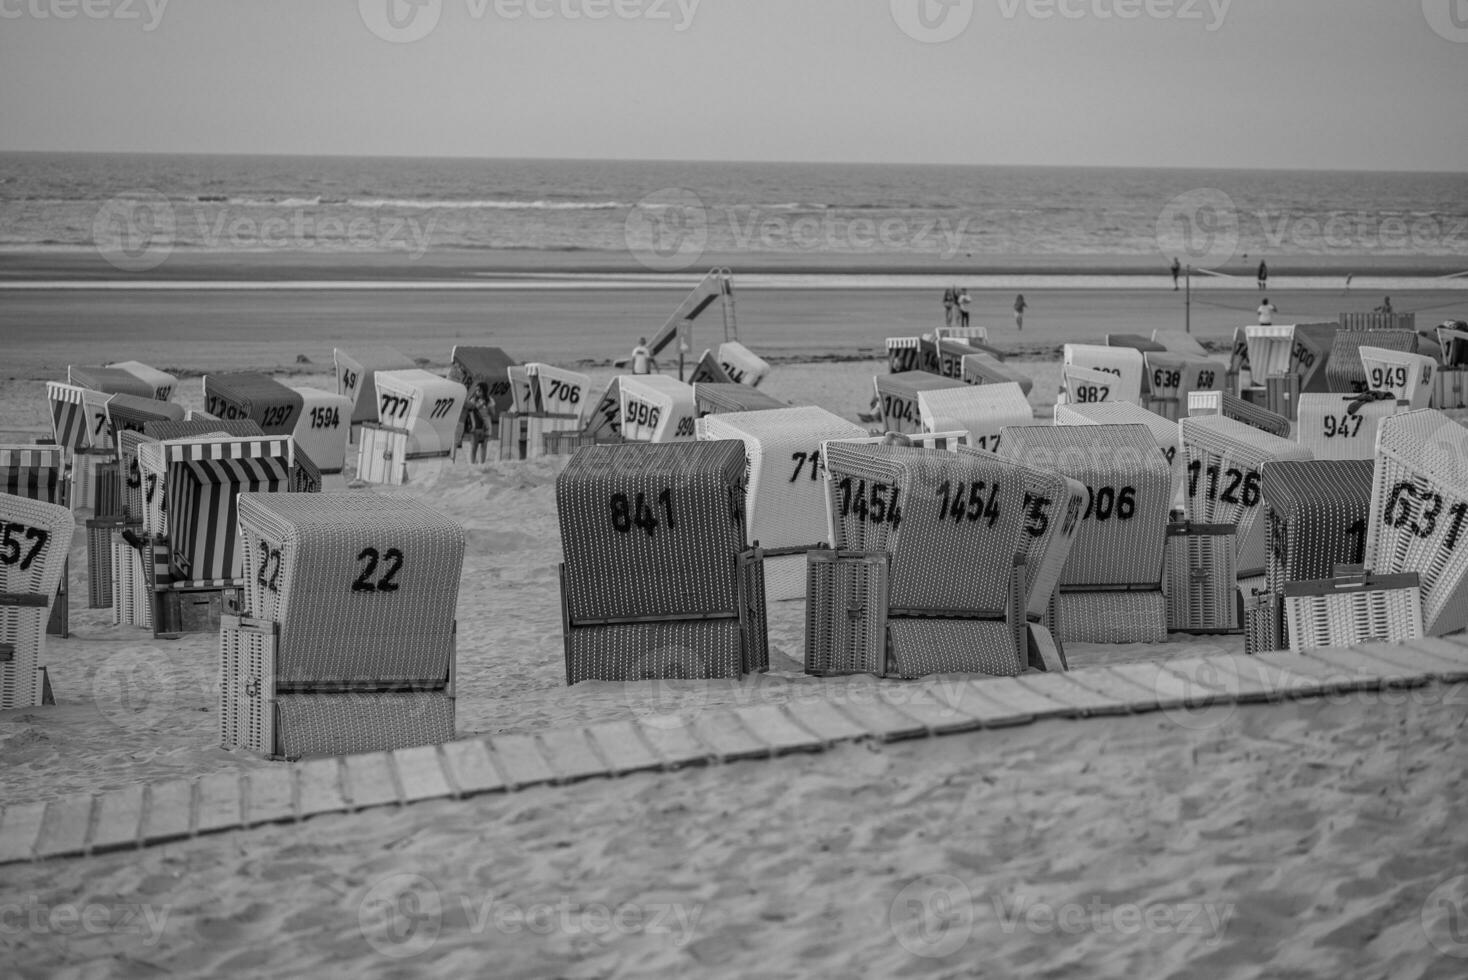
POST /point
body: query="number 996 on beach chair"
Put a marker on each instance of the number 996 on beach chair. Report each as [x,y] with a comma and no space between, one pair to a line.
[928,545]
[658,581]
[34,540]
[347,642]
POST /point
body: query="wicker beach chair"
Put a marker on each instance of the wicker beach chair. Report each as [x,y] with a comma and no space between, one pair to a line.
[1204,403]
[559,392]
[951,353]
[128,413]
[658,581]
[1126,365]
[1171,378]
[714,398]
[1224,480]
[1165,433]
[161,383]
[1378,322]
[39,473]
[1337,426]
[708,370]
[417,429]
[985,369]
[1407,376]
[656,409]
[489,366]
[323,428]
[1349,611]
[258,397]
[897,398]
[1111,589]
[786,502]
[35,538]
[347,642]
[951,528]
[1419,512]
[1317,512]
[905,355]
[111,381]
[356,377]
[742,365]
[1180,342]
[1136,342]
[1345,373]
[1201,580]
[983,411]
[1089,386]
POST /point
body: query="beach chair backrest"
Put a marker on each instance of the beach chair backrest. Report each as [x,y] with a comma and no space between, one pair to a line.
[1201,403]
[1165,433]
[1407,376]
[557,391]
[1364,322]
[1317,512]
[35,538]
[204,479]
[983,411]
[1342,426]
[258,397]
[98,436]
[425,405]
[1419,512]
[323,428]
[489,366]
[897,397]
[714,398]
[656,408]
[1270,348]
[1454,343]
[1345,373]
[161,383]
[904,355]
[128,413]
[1092,386]
[1125,364]
[112,381]
[742,365]
[68,415]
[985,369]
[356,376]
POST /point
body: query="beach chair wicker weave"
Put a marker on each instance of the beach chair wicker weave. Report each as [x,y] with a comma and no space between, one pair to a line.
[897,395]
[249,395]
[1353,610]
[985,369]
[1224,482]
[786,502]
[35,538]
[1345,372]
[713,398]
[983,411]
[323,427]
[1202,403]
[1201,582]
[128,413]
[1419,512]
[113,381]
[1336,426]
[1407,376]
[1317,513]
[1164,432]
[1379,322]
[1263,622]
[1111,589]
[657,576]
[846,613]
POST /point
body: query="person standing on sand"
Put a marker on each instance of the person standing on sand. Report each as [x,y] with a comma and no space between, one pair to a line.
[1019,311]
[1267,310]
[477,416]
[642,359]
[950,300]
[964,301]
[1177,270]
[1263,276]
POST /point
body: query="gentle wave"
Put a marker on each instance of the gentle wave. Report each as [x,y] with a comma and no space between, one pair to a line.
[426,204]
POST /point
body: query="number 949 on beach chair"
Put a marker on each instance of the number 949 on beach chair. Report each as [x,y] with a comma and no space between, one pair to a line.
[658,581]
[347,641]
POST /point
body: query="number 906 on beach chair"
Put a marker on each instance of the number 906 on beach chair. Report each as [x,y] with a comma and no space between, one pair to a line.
[925,575]
[658,581]
[1111,590]
[34,540]
[786,501]
[347,641]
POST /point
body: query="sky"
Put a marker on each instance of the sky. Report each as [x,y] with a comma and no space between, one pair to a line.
[1337,84]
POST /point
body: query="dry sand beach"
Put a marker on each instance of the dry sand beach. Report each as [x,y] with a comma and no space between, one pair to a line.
[1308,839]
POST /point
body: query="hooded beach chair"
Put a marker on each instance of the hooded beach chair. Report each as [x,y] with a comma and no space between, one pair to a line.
[347,639]
[356,377]
[258,397]
[489,366]
[34,540]
[1111,589]
[1203,403]
[1181,342]
[925,575]
[897,398]
[656,409]
[1419,513]
[1171,378]
[1450,384]
[985,369]
[718,398]
[322,431]
[1406,376]
[983,411]
[905,356]
[658,581]
[742,365]
[551,407]
[111,381]
[786,499]
[160,383]
[1345,372]
[1335,426]
[1377,322]
[417,428]
[1126,366]
[1091,386]
[39,473]
[1166,434]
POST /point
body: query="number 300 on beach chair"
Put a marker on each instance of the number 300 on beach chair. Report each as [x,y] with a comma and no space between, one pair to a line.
[347,641]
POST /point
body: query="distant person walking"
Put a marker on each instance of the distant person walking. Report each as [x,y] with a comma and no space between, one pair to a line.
[1386,306]
[1263,276]
[950,302]
[1019,311]
[642,359]
[964,301]
[1267,310]
[1177,271]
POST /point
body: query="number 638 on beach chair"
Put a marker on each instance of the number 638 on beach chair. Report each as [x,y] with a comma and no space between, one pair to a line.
[658,581]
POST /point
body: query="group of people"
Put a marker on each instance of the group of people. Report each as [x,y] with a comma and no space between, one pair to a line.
[956,303]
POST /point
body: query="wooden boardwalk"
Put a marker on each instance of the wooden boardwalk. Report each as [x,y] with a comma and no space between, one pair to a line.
[154,813]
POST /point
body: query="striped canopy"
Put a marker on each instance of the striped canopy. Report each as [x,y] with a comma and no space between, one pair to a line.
[204,482]
[33,472]
[68,419]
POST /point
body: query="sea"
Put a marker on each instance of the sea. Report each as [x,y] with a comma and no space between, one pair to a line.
[671,215]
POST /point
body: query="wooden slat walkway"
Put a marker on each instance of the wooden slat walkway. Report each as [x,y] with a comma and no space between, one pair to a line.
[145,814]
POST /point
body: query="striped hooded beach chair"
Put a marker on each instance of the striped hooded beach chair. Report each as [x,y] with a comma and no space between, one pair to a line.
[1111,589]
[1419,513]
[658,581]
[786,500]
[35,538]
[347,641]
[925,575]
